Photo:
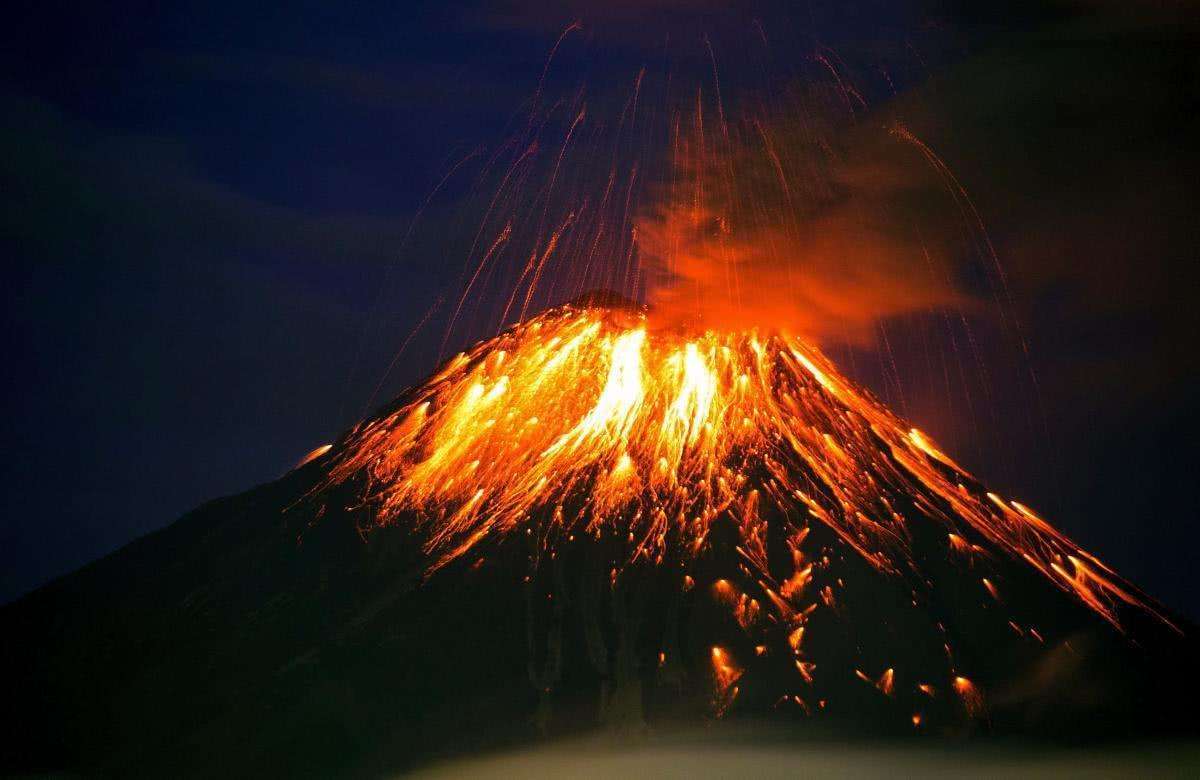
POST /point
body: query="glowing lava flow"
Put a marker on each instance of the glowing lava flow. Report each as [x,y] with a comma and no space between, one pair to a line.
[583,420]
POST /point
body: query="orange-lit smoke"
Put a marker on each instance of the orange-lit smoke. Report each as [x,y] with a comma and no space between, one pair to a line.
[759,236]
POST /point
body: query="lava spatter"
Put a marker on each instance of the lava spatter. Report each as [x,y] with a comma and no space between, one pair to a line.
[586,422]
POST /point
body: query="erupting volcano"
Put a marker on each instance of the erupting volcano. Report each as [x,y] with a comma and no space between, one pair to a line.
[741,466]
[666,506]
[593,521]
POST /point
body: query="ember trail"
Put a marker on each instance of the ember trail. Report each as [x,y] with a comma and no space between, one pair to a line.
[586,421]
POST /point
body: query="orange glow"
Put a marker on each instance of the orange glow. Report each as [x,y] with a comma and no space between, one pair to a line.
[725,670]
[585,421]
[746,612]
[316,453]
[794,586]
[724,593]
[991,588]
[884,683]
[972,699]
[958,544]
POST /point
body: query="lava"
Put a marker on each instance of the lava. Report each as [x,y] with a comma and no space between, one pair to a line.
[585,420]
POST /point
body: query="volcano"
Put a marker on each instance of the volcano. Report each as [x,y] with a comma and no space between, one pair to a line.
[589,522]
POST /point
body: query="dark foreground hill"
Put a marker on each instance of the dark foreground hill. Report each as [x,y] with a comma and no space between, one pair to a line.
[239,639]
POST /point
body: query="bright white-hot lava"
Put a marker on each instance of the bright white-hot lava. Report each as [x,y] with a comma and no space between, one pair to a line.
[585,421]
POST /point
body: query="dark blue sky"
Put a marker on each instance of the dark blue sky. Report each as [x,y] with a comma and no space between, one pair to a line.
[207,207]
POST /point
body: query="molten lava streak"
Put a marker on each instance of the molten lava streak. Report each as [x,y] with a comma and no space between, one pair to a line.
[585,421]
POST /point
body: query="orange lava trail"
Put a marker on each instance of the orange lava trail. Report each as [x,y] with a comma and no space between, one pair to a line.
[583,420]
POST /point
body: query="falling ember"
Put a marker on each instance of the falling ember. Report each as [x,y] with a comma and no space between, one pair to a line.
[972,699]
[313,455]
[724,592]
[958,544]
[726,673]
[653,436]
[991,588]
[795,637]
[885,681]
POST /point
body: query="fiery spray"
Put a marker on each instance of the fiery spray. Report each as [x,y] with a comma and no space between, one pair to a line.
[583,421]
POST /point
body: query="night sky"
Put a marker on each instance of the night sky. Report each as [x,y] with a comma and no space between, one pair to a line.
[208,231]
